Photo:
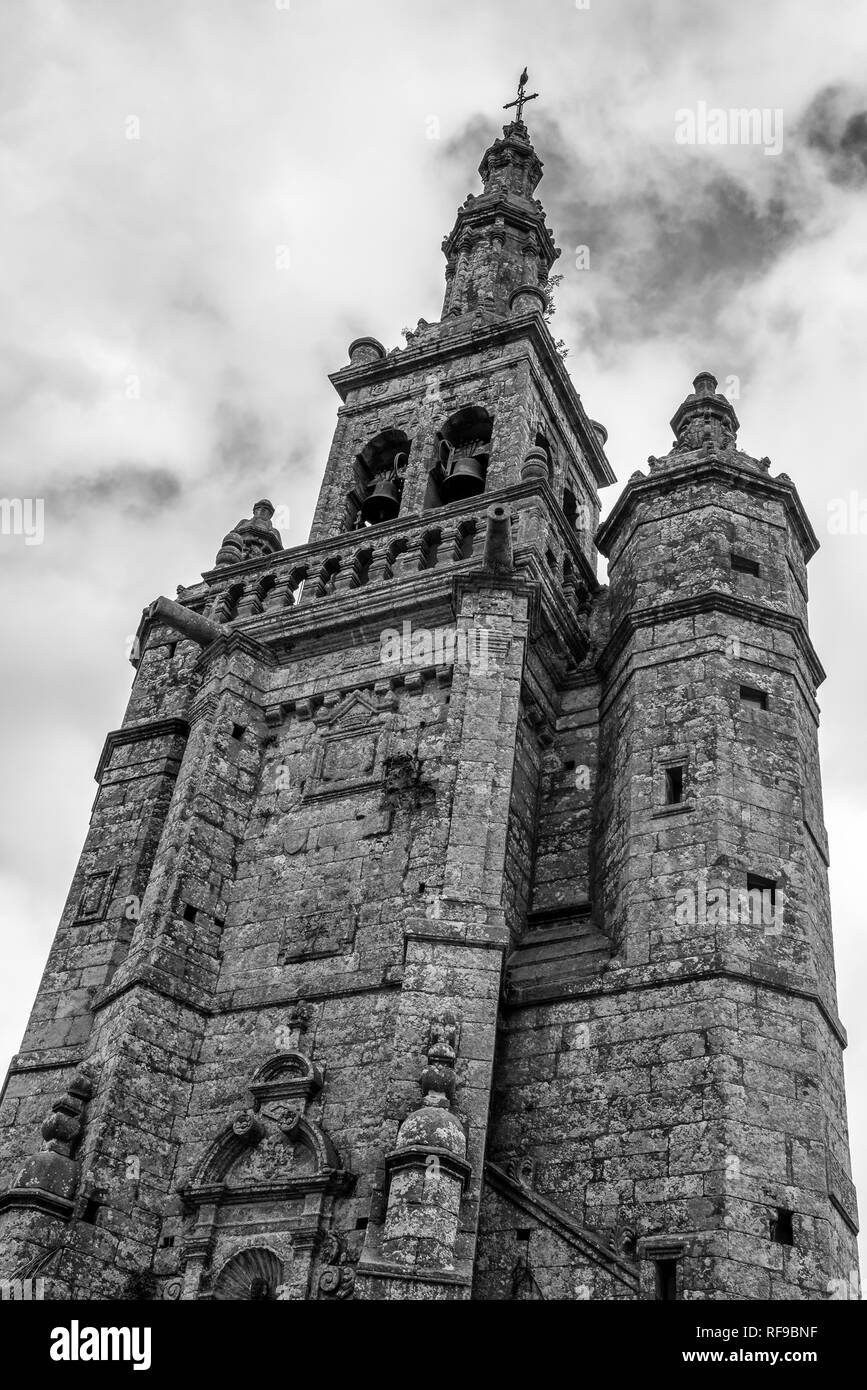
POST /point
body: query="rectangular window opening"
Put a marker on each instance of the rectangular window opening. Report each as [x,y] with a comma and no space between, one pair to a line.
[361,1223]
[756,883]
[189,913]
[238,731]
[751,695]
[743,565]
[168,1242]
[666,1281]
[523,1233]
[91,1210]
[673,786]
[781,1227]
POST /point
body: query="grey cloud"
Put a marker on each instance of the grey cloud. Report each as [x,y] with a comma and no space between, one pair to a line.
[129,488]
[242,445]
[834,127]
[673,234]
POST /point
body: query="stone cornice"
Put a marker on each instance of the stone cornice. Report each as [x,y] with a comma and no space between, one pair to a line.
[31,1199]
[715,966]
[712,601]
[715,468]
[136,733]
[479,215]
[234,641]
[413,1274]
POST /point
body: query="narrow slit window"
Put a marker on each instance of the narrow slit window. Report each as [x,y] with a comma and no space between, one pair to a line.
[744,565]
[755,698]
[666,1281]
[171,649]
[91,1210]
[673,786]
[782,1232]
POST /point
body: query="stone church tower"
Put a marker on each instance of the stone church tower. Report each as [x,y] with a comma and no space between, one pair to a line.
[450,925]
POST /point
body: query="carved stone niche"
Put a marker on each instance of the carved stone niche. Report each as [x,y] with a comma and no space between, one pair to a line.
[262,1195]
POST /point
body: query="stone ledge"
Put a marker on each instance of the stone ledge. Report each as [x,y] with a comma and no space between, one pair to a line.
[136,733]
[630,978]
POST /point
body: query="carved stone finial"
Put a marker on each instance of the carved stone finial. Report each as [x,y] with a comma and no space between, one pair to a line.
[54,1171]
[438,1078]
[428,1169]
[231,552]
[706,418]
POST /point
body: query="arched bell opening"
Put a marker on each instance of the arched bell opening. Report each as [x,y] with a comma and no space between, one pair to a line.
[463,447]
[379,470]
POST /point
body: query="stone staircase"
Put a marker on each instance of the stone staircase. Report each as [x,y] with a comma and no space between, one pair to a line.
[561,948]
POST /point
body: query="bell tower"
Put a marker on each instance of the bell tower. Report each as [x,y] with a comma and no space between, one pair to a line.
[377,977]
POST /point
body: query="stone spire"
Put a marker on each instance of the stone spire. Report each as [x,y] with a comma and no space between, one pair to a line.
[500,243]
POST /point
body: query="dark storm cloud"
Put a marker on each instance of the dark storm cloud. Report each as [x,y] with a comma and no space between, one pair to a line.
[834,127]
[675,232]
[128,488]
[673,250]
[670,234]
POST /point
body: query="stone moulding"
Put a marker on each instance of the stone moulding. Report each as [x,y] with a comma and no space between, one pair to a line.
[627,978]
[736,476]
[712,601]
[136,733]
[416,1156]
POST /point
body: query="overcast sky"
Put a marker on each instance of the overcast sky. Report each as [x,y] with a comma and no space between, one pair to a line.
[162,366]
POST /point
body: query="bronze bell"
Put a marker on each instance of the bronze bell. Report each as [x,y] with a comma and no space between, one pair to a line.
[383,503]
[466,478]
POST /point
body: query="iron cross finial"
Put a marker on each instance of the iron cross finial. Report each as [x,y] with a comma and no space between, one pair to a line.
[522,83]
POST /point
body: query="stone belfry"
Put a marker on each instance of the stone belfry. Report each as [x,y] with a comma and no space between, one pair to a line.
[448,924]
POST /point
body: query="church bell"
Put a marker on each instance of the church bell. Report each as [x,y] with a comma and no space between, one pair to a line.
[466,479]
[383,504]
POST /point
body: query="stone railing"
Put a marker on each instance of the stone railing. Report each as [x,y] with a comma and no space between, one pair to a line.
[393,550]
